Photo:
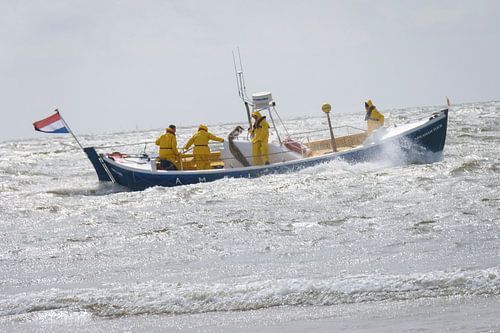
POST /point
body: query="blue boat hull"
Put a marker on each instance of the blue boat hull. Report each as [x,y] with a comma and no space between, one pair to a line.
[423,144]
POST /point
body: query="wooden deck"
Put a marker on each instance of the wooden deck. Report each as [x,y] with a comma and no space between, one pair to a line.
[319,147]
[344,143]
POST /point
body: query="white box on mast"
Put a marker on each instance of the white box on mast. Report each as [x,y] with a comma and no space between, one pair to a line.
[262,100]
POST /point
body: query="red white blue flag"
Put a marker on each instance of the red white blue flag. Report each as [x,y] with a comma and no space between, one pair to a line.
[52,124]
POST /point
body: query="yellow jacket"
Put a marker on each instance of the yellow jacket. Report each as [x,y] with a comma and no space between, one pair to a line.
[200,140]
[260,129]
[374,118]
[168,146]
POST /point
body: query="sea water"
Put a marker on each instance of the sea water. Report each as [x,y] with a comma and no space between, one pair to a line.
[371,247]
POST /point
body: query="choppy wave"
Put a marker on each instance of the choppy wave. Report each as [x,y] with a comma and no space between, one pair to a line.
[179,298]
[101,189]
[360,236]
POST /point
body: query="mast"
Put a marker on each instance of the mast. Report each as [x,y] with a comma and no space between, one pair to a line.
[242,89]
[259,101]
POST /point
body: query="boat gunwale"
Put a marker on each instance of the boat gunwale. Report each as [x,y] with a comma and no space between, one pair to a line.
[305,160]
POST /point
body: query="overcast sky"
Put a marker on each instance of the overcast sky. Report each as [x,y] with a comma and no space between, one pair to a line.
[123,65]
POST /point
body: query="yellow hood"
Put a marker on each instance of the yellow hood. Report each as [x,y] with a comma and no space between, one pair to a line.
[256,114]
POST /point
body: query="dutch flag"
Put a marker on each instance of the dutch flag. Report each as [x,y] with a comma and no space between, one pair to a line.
[51,124]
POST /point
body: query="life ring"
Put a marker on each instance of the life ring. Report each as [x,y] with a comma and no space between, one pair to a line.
[116,155]
[297,147]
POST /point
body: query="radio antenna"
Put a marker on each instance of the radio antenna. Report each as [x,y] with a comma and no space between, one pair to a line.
[237,77]
[242,89]
[244,86]
[240,77]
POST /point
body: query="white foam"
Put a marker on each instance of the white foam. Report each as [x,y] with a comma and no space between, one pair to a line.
[163,298]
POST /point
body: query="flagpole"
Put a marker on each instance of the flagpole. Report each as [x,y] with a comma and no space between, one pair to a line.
[90,151]
[69,129]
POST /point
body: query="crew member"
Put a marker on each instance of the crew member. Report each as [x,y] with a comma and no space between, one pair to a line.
[260,137]
[201,151]
[374,118]
[169,155]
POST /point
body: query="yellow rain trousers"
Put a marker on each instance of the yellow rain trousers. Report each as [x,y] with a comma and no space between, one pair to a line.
[260,138]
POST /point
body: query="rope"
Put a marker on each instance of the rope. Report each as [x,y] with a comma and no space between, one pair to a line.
[218,159]
[251,156]
[324,130]
[294,134]
[218,145]
[124,145]
[281,121]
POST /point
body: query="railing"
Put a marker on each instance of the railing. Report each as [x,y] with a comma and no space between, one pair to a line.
[348,128]
[304,137]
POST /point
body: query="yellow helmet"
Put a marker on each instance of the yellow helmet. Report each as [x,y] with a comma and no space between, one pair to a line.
[203,127]
[369,103]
